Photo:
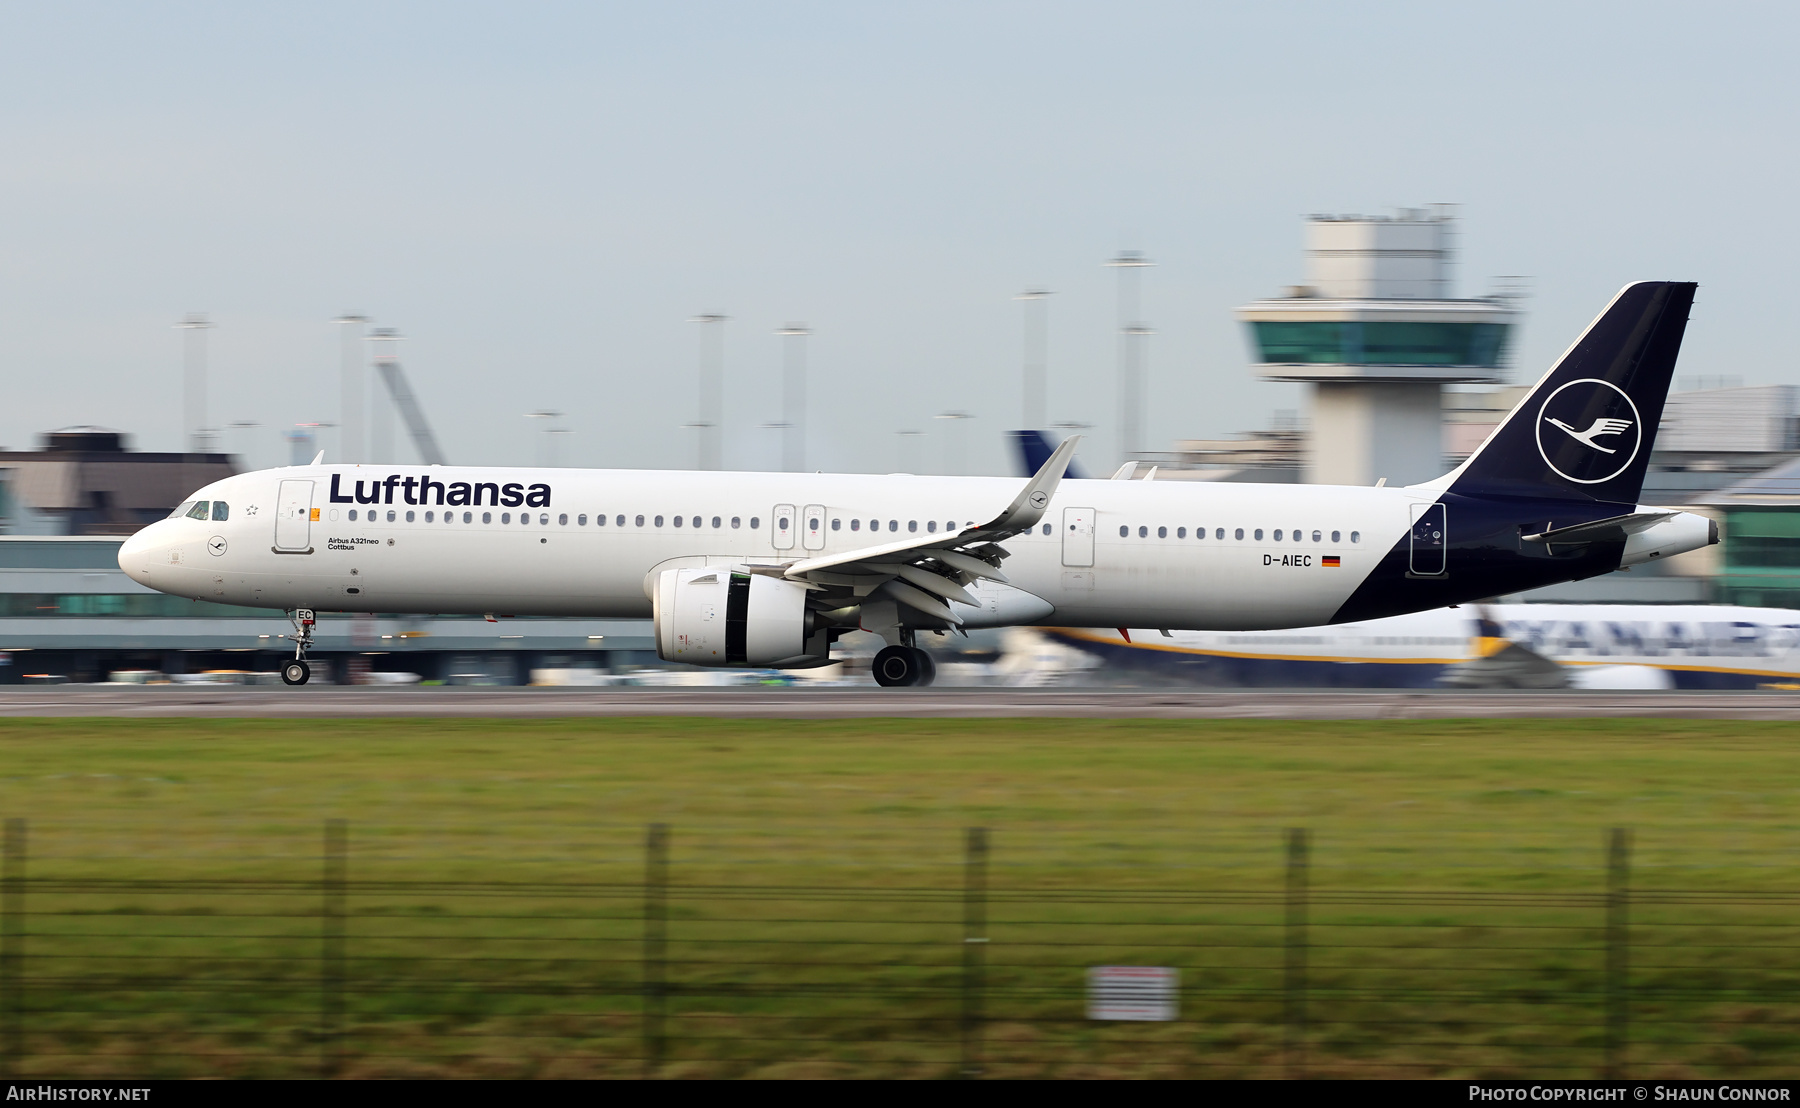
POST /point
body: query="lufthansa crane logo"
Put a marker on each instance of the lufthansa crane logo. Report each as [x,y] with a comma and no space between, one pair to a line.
[1039,499]
[1589,431]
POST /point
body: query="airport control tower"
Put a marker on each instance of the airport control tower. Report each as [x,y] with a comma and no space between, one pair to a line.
[1377,333]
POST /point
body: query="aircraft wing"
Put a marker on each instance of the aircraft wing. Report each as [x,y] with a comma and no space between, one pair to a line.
[1611,529]
[929,572]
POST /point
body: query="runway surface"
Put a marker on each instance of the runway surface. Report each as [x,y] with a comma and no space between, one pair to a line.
[252,702]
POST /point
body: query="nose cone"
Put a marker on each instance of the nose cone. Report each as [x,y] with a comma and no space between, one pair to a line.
[135,554]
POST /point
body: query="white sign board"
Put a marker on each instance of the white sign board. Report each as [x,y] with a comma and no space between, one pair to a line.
[1132,992]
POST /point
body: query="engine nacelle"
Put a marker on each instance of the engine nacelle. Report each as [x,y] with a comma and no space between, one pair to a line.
[724,616]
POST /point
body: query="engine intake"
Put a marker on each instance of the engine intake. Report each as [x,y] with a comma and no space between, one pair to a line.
[724,616]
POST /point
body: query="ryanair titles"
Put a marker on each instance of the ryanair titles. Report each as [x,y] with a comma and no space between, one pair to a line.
[423,490]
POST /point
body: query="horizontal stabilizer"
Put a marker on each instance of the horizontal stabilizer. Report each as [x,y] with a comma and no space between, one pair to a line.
[1611,529]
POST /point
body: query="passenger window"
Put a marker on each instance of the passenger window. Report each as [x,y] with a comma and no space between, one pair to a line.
[352,515]
[781,524]
[198,511]
[1356,536]
[856,525]
[1316,536]
[874,525]
[950,525]
[409,517]
[1143,532]
[1334,536]
[1181,532]
[581,520]
[1220,534]
[487,517]
[1046,528]
[1124,532]
[677,521]
[563,519]
[659,521]
[893,525]
[1259,534]
[755,522]
[912,525]
[696,521]
[390,515]
[1240,534]
[837,525]
[431,517]
[505,517]
[1162,532]
[640,521]
[812,525]
[221,511]
[734,522]
[716,522]
[1277,534]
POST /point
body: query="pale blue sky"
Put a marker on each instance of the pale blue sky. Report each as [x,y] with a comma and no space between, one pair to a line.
[540,195]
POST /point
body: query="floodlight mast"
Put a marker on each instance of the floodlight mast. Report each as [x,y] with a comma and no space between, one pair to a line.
[1132,333]
[387,364]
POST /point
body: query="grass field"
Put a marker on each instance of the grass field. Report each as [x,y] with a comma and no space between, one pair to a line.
[816,911]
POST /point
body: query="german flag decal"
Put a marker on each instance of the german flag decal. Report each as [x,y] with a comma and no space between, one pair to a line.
[1329,561]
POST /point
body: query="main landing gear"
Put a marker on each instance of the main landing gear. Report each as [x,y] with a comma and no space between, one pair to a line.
[898,666]
[297,672]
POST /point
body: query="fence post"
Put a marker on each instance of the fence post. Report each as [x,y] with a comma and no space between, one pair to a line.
[656,937]
[12,948]
[1294,977]
[1618,950]
[331,951]
[975,853]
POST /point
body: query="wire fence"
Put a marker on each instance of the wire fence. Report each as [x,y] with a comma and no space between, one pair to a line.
[661,977]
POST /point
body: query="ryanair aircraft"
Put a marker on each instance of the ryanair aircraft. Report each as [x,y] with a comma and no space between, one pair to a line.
[1636,646]
[767,569]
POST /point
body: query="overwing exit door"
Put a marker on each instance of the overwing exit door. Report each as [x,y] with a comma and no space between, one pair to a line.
[782,527]
[813,538]
[1430,541]
[293,517]
[1078,537]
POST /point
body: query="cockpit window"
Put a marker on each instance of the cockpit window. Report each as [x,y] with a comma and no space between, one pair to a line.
[198,511]
[181,510]
[221,511]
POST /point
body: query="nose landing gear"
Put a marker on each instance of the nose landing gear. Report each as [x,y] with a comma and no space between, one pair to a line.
[297,672]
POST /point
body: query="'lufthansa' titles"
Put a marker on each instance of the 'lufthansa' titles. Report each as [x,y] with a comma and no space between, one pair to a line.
[424,490]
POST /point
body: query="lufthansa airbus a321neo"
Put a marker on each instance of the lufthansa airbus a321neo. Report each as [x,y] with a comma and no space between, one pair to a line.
[768,569]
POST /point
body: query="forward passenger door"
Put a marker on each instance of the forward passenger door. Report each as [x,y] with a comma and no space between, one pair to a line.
[782,526]
[293,517]
[813,538]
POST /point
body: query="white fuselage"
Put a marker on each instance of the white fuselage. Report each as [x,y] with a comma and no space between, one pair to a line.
[1106,553]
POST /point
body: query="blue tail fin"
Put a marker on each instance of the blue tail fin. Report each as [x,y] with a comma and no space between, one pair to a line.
[1586,429]
[1034,451]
